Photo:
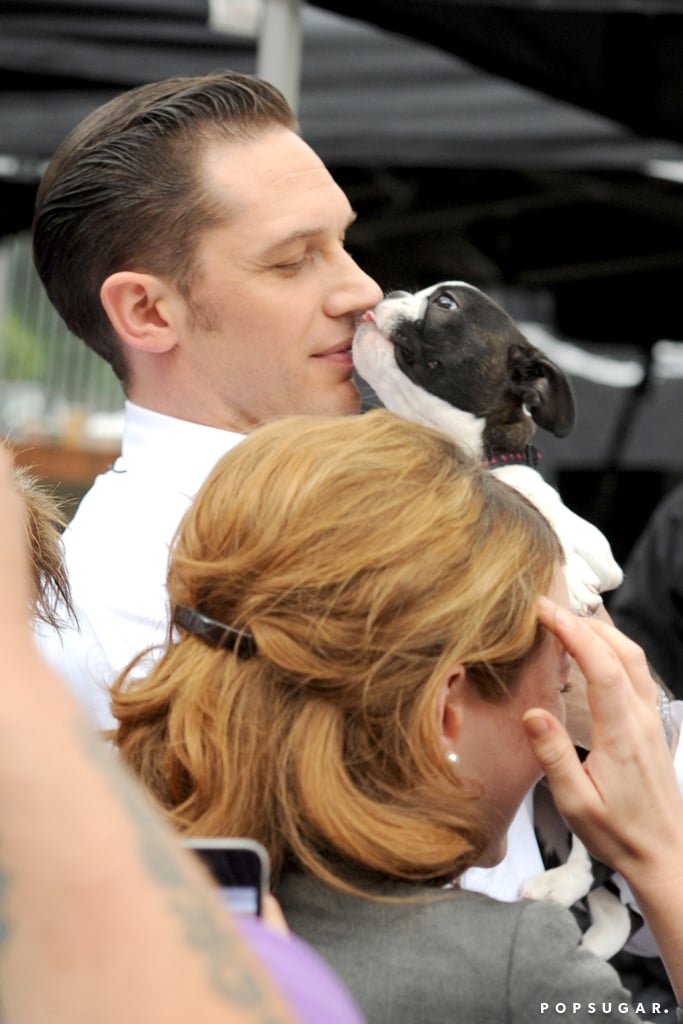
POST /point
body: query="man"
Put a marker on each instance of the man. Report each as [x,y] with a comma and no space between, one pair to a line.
[188,235]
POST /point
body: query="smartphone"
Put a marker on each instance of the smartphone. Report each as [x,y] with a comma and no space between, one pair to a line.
[240,867]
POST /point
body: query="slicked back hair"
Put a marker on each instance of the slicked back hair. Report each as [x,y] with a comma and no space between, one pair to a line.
[124,191]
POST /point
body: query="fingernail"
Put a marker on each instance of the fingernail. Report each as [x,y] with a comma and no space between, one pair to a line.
[548,610]
[535,725]
[559,614]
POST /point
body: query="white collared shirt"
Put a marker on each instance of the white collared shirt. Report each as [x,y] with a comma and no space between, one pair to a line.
[117,548]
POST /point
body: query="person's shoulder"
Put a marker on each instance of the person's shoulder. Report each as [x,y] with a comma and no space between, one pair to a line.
[549,968]
[503,925]
[537,917]
[443,917]
[410,950]
[307,981]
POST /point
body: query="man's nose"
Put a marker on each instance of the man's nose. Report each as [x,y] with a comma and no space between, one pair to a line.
[364,289]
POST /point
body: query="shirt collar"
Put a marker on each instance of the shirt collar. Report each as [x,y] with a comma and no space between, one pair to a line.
[168,446]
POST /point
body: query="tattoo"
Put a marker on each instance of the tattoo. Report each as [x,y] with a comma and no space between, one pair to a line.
[229,972]
[4,922]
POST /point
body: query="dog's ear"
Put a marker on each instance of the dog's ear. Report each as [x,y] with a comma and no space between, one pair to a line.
[543,388]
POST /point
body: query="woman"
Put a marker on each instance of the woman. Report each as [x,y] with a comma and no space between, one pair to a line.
[362,680]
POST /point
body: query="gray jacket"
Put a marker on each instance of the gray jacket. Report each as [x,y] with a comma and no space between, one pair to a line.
[455,957]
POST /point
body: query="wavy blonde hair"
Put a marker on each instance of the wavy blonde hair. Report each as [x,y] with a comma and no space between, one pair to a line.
[365,554]
[44,521]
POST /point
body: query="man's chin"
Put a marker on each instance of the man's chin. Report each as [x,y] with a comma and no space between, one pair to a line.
[344,400]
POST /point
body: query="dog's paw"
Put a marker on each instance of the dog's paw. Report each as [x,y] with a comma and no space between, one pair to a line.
[583,585]
[565,884]
[558,885]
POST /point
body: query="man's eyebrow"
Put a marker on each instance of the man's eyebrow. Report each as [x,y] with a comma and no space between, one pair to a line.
[303,235]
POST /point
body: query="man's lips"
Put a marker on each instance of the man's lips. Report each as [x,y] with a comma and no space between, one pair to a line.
[336,353]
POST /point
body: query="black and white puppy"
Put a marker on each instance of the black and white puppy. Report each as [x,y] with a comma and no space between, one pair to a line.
[450,358]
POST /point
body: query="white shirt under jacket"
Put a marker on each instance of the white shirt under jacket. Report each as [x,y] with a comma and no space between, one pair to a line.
[117,548]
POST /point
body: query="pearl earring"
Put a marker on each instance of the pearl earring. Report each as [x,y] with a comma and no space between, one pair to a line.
[452,757]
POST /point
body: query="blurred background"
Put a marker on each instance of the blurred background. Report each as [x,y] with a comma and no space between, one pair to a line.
[532,148]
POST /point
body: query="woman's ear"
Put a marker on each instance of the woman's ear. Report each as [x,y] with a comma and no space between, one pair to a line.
[449,706]
[140,308]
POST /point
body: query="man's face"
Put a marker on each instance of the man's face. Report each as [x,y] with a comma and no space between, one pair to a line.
[269,325]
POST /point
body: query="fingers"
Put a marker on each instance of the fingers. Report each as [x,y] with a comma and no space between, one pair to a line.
[631,657]
[557,757]
[273,915]
[577,710]
[614,666]
[604,615]
[624,790]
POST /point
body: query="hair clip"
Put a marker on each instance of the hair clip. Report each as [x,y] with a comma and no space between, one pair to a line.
[217,634]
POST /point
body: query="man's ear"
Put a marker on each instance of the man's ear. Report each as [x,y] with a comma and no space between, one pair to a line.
[140,308]
[449,707]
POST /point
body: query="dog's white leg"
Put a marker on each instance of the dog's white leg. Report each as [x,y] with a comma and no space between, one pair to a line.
[590,566]
[582,583]
[610,923]
[565,884]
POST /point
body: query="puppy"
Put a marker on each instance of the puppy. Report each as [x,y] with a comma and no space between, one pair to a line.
[450,358]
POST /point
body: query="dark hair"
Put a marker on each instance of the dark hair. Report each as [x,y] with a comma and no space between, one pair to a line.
[123,191]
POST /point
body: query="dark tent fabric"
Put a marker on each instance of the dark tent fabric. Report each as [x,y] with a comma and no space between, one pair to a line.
[517,144]
[456,171]
[373,96]
[620,58]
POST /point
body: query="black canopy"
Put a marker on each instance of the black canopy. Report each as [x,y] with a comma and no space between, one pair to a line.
[619,58]
[378,96]
[509,143]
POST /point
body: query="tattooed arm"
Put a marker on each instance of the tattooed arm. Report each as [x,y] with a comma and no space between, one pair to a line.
[103,918]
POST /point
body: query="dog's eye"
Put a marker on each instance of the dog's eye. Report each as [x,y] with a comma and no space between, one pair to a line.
[446,301]
[433,364]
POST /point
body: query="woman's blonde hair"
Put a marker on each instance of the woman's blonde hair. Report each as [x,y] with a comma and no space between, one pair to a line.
[44,521]
[364,555]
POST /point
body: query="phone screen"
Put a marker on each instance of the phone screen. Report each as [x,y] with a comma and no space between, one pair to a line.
[240,869]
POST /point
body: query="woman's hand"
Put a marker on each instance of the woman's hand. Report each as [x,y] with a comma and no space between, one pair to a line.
[577,708]
[623,800]
[273,915]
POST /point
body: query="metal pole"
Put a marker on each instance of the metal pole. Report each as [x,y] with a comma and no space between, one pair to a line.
[278,57]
